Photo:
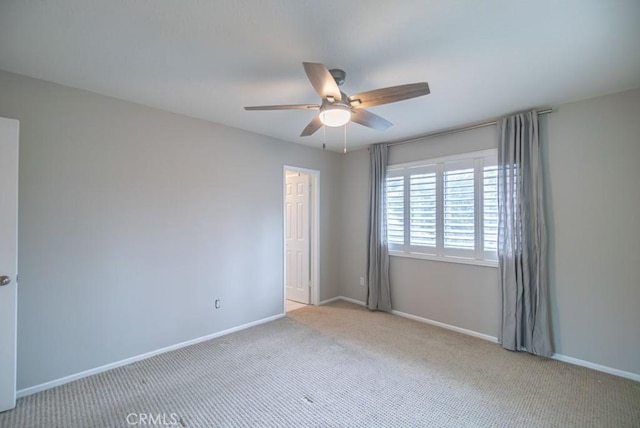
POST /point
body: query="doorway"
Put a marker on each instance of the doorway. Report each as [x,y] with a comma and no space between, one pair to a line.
[301,233]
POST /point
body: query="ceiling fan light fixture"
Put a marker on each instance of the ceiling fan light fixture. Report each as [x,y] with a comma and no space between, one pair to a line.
[335,115]
[337,109]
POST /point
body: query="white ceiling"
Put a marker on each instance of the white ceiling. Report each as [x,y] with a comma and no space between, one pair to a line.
[208,59]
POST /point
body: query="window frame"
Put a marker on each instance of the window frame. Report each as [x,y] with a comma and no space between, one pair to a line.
[476,256]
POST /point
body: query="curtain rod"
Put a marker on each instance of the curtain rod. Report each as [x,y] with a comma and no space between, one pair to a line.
[455,130]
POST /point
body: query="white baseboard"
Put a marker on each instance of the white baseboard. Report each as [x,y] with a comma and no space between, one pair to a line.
[598,367]
[447,326]
[333,299]
[349,299]
[51,384]
[346,299]
[559,357]
[420,319]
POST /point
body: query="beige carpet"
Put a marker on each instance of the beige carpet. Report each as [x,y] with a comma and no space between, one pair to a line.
[339,366]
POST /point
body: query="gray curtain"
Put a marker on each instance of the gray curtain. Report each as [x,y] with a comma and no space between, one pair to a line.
[378,294]
[522,238]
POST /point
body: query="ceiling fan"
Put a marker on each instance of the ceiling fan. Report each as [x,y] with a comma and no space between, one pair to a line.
[337,108]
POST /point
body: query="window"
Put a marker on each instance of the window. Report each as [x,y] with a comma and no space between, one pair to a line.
[445,209]
[395,209]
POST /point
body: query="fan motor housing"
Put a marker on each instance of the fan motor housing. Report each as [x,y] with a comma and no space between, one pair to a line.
[330,101]
[338,75]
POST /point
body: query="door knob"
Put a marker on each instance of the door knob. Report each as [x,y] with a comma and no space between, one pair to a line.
[4,280]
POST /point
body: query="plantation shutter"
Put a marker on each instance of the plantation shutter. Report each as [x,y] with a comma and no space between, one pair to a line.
[444,209]
[458,210]
[490,205]
[422,215]
[395,209]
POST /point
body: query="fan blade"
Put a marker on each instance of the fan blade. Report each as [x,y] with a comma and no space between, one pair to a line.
[389,95]
[366,118]
[322,81]
[285,107]
[312,127]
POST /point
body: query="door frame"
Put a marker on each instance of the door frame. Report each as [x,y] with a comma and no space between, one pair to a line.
[10,165]
[314,235]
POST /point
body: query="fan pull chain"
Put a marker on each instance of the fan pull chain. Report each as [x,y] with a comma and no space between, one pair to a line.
[345,138]
[324,137]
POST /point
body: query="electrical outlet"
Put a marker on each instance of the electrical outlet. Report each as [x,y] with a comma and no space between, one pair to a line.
[217,303]
[362,280]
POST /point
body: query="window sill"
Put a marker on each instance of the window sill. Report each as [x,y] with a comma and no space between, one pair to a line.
[446,259]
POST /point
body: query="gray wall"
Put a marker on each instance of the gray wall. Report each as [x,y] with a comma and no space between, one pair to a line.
[593,199]
[592,150]
[133,220]
[464,296]
[353,223]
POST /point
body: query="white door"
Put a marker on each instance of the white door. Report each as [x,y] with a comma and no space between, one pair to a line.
[297,247]
[8,260]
